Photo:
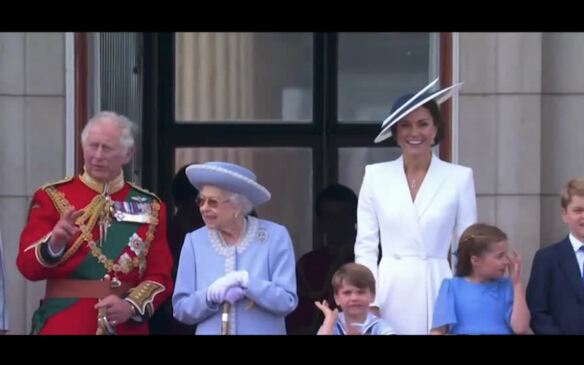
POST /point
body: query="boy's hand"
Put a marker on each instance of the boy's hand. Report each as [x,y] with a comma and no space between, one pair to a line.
[329,314]
[330,317]
[514,267]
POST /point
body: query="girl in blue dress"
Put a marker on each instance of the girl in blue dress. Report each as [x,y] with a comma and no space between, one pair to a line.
[480,299]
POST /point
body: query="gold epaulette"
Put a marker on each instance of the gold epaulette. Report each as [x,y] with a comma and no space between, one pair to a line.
[57,197]
[65,180]
[142,190]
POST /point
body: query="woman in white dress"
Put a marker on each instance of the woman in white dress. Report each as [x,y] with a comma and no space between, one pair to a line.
[417,205]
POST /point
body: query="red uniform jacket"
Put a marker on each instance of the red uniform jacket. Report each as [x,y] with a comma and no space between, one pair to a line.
[134,251]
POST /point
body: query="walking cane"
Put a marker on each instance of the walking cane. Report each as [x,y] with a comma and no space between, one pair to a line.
[225,309]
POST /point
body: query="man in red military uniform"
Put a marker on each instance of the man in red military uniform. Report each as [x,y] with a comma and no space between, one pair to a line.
[99,241]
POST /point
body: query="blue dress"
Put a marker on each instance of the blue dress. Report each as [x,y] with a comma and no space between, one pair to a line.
[474,308]
[265,252]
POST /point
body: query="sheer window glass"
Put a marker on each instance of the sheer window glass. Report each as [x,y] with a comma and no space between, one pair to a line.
[352,162]
[376,68]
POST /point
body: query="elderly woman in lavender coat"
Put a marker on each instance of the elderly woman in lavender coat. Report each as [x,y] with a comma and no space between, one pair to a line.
[235,259]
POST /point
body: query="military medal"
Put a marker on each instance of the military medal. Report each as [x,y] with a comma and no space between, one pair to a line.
[135,212]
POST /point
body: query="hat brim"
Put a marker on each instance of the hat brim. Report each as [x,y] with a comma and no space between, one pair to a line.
[440,96]
[201,175]
[406,104]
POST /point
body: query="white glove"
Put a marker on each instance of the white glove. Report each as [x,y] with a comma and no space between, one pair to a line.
[216,291]
[240,278]
[234,294]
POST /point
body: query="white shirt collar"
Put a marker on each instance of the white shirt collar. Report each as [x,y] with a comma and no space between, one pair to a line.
[576,243]
[369,321]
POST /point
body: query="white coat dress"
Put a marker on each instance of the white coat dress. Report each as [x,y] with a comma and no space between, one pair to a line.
[415,236]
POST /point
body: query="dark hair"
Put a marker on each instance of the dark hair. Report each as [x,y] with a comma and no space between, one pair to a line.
[574,187]
[353,274]
[338,193]
[182,189]
[434,109]
[475,241]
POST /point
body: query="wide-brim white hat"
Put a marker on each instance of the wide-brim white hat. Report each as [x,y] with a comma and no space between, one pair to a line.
[409,102]
[230,177]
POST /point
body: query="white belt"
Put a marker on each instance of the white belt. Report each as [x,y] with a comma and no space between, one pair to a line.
[422,256]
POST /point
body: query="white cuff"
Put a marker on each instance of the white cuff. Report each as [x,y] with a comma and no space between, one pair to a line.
[50,249]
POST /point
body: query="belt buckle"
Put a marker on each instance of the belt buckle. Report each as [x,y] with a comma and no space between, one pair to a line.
[115,283]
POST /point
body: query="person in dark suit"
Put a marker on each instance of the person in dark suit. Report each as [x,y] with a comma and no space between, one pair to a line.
[187,218]
[336,211]
[555,293]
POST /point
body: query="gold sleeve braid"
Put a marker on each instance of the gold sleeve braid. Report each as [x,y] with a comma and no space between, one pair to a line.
[142,296]
[61,205]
